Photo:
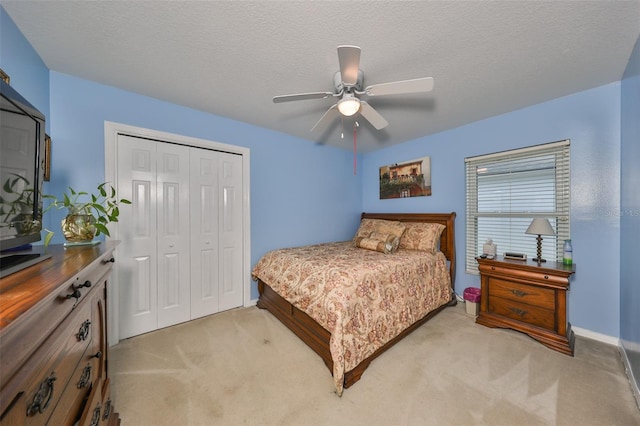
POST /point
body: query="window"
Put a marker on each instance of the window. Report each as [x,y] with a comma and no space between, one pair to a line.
[507,190]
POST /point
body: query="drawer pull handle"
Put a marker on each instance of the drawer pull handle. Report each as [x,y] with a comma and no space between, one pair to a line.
[546,277]
[83,332]
[518,312]
[111,260]
[519,293]
[95,419]
[107,410]
[75,294]
[42,398]
[97,355]
[86,284]
[85,378]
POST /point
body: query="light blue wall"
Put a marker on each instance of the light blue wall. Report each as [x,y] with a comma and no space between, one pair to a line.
[29,75]
[591,120]
[630,214]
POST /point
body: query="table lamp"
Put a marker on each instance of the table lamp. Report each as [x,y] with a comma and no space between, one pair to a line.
[539,227]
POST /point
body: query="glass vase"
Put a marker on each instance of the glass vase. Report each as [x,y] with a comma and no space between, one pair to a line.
[79,228]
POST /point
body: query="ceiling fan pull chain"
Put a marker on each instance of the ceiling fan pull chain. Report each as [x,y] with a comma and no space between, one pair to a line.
[355,149]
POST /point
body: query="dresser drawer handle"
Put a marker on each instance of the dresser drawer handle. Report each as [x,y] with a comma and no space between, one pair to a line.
[546,277]
[518,312]
[86,284]
[519,293]
[83,332]
[42,398]
[111,260]
[76,295]
[95,419]
[85,378]
[107,410]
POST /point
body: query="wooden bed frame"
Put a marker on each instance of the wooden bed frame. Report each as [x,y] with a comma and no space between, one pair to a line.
[317,338]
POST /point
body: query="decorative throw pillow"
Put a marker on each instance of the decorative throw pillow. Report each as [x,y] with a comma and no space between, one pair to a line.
[421,236]
[391,241]
[367,226]
[373,244]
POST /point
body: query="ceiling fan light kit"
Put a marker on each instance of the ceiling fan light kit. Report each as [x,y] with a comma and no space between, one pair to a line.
[348,105]
[348,86]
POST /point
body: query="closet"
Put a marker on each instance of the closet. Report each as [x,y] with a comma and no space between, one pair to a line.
[181,255]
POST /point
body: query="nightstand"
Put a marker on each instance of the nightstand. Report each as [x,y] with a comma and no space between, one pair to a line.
[529,297]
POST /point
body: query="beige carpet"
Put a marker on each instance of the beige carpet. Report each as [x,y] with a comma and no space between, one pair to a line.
[243,367]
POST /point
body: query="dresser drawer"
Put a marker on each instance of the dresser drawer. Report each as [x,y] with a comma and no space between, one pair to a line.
[22,338]
[93,410]
[522,293]
[84,376]
[523,312]
[52,366]
[25,337]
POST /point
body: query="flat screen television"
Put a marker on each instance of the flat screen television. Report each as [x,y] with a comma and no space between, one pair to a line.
[22,135]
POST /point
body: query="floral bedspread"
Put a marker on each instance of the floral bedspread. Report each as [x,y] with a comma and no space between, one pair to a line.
[364,298]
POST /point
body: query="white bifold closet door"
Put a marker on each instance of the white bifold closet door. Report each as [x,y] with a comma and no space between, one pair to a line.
[180,256]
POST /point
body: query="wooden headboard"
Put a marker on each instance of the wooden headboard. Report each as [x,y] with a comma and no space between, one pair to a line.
[447,239]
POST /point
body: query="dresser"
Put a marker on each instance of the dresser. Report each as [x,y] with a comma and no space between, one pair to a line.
[527,297]
[53,340]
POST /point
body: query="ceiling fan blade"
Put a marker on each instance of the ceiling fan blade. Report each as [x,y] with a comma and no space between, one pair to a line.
[326,118]
[417,85]
[349,58]
[372,116]
[301,97]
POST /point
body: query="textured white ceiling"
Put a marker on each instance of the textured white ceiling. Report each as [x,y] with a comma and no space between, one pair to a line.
[231,57]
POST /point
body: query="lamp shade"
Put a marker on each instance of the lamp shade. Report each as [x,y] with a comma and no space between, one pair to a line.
[540,226]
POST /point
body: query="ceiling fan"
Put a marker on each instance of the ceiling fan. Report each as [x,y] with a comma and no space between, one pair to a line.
[348,87]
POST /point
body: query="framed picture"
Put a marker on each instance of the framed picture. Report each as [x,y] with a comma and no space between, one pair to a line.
[47,158]
[409,179]
[4,76]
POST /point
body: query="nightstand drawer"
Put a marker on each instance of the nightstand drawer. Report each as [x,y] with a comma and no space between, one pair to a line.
[522,293]
[529,314]
[537,277]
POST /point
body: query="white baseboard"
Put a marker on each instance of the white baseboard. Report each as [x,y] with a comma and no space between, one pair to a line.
[630,376]
[583,332]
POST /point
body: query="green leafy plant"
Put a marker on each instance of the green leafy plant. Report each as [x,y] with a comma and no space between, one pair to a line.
[102,205]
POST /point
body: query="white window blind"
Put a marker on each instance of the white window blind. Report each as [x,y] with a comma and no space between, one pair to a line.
[507,190]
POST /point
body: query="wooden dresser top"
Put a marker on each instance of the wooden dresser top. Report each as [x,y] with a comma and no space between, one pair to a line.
[23,290]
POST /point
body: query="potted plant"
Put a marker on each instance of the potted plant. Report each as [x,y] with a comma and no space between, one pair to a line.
[88,213]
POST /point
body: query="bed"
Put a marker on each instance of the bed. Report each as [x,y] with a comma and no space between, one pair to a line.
[350,303]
